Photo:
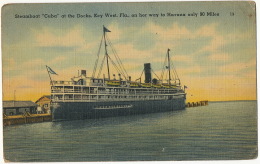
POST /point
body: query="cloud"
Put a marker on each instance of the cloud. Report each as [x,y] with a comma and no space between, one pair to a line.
[217,42]
[190,70]
[31,64]
[238,67]
[175,31]
[181,58]
[207,30]
[127,51]
[57,60]
[219,57]
[49,37]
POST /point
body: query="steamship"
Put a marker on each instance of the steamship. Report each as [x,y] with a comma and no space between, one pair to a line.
[87,97]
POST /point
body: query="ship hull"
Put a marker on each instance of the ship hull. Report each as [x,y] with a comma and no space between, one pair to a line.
[90,110]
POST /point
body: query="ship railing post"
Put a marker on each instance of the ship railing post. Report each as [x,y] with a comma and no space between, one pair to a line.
[63,98]
[97,93]
[81,96]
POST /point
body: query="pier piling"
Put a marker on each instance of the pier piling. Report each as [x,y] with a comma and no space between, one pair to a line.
[196,104]
[26,118]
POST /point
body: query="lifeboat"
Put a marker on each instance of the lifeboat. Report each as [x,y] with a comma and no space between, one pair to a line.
[113,83]
[134,84]
[166,86]
[157,85]
[146,85]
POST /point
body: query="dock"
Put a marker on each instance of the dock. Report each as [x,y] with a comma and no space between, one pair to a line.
[196,104]
[26,118]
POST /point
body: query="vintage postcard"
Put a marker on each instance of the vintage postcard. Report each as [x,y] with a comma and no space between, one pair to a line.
[136,81]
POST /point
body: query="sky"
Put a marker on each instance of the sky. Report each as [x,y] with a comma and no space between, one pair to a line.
[214,56]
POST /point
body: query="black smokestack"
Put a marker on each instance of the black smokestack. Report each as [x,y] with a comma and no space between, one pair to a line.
[147,73]
[84,73]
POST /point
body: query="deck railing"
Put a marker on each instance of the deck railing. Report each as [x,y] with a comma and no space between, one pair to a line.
[64,82]
[114,92]
[109,99]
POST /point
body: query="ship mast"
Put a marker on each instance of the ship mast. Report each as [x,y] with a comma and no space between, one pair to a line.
[169,66]
[120,68]
[106,30]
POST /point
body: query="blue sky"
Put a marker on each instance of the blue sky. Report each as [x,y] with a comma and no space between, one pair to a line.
[215,56]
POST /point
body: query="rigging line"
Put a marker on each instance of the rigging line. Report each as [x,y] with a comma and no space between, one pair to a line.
[118,70]
[176,75]
[118,67]
[98,54]
[113,53]
[175,72]
[121,67]
[163,69]
[121,64]
[141,74]
[114,64]
[117,57]
[155,74]
[101,66]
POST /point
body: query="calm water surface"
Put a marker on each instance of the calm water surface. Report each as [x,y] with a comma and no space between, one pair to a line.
[219,131]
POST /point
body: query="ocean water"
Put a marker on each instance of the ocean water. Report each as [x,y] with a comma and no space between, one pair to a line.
[219,131]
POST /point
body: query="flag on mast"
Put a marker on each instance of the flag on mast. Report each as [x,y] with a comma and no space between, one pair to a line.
[51,71]
[105,29]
